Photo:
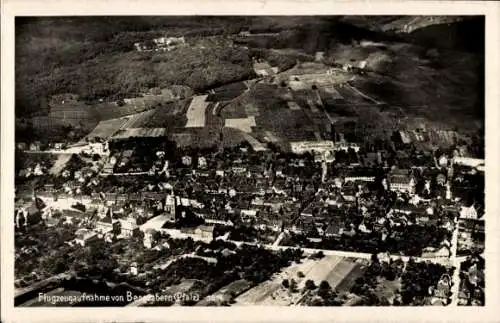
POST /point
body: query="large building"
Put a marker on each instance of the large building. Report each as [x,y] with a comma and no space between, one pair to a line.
[321,146]
[467,161]
[402,181]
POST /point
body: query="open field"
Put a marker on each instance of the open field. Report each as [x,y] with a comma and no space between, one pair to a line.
[337,271]
[106,129]
[227,292]
[140,132]
[256,145]
[137,120]
[244,124]
[196,112]
[227,92]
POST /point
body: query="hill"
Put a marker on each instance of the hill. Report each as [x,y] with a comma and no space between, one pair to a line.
[420,66]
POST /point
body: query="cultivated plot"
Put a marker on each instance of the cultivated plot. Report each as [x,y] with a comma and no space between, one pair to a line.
[196,112]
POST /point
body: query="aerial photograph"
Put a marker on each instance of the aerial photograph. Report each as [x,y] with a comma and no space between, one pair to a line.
[249,160]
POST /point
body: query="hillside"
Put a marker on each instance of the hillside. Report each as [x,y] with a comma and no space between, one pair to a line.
[431,68]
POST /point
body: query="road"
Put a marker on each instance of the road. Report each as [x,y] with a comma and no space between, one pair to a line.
[361,93]
[456,262]
[20,291]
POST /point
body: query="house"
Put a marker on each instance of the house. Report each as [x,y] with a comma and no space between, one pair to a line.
[133,270]
[360,174]
[21,145]
[404,137]
[186,160]
[205,231]
[402,181]
[149,241]
[467,161]
[128,226]
[248,214]
[349,191]
[441,179]
[468,212]
[202,162]
[335,228]
[35,146]
[371,159]
[84,237]
[443,287]
[99,148]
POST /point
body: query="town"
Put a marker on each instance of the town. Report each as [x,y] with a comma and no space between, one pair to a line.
[293,187]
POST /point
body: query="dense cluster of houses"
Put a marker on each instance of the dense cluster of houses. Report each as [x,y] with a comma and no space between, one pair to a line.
[274,192]
[160,44]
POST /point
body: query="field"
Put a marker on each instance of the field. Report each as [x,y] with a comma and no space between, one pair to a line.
[136,120]
[388,289]
[337,271]
[243,124]
[140,132]
[170,115]
[227,92]
[256,144]
[106,129]
[196,112]
[227,292]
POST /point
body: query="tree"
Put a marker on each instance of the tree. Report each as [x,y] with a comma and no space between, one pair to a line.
[310,285]
[324,285]
[293,286]
[285,283]
[117,229]
[300,274]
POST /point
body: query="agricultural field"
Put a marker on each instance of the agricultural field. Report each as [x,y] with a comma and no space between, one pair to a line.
[243,124]
[106,129]
[227,293]
[169,115]
[337,271]
[227,92]
[137,120]
[140,132]
[256,144]
[264,69]
[196,112]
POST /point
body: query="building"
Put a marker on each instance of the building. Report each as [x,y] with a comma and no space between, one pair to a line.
[302,147]
[405,138]
[84,237]
[335,228]
[128,226]
[402,181]
[21,146]
[467,161]
[468,212]
[35,146]
[99,148]
[345,146]
[149,240]
[133,269]
[364,175]
[205,231]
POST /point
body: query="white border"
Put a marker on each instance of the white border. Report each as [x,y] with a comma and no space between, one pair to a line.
[250,314]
